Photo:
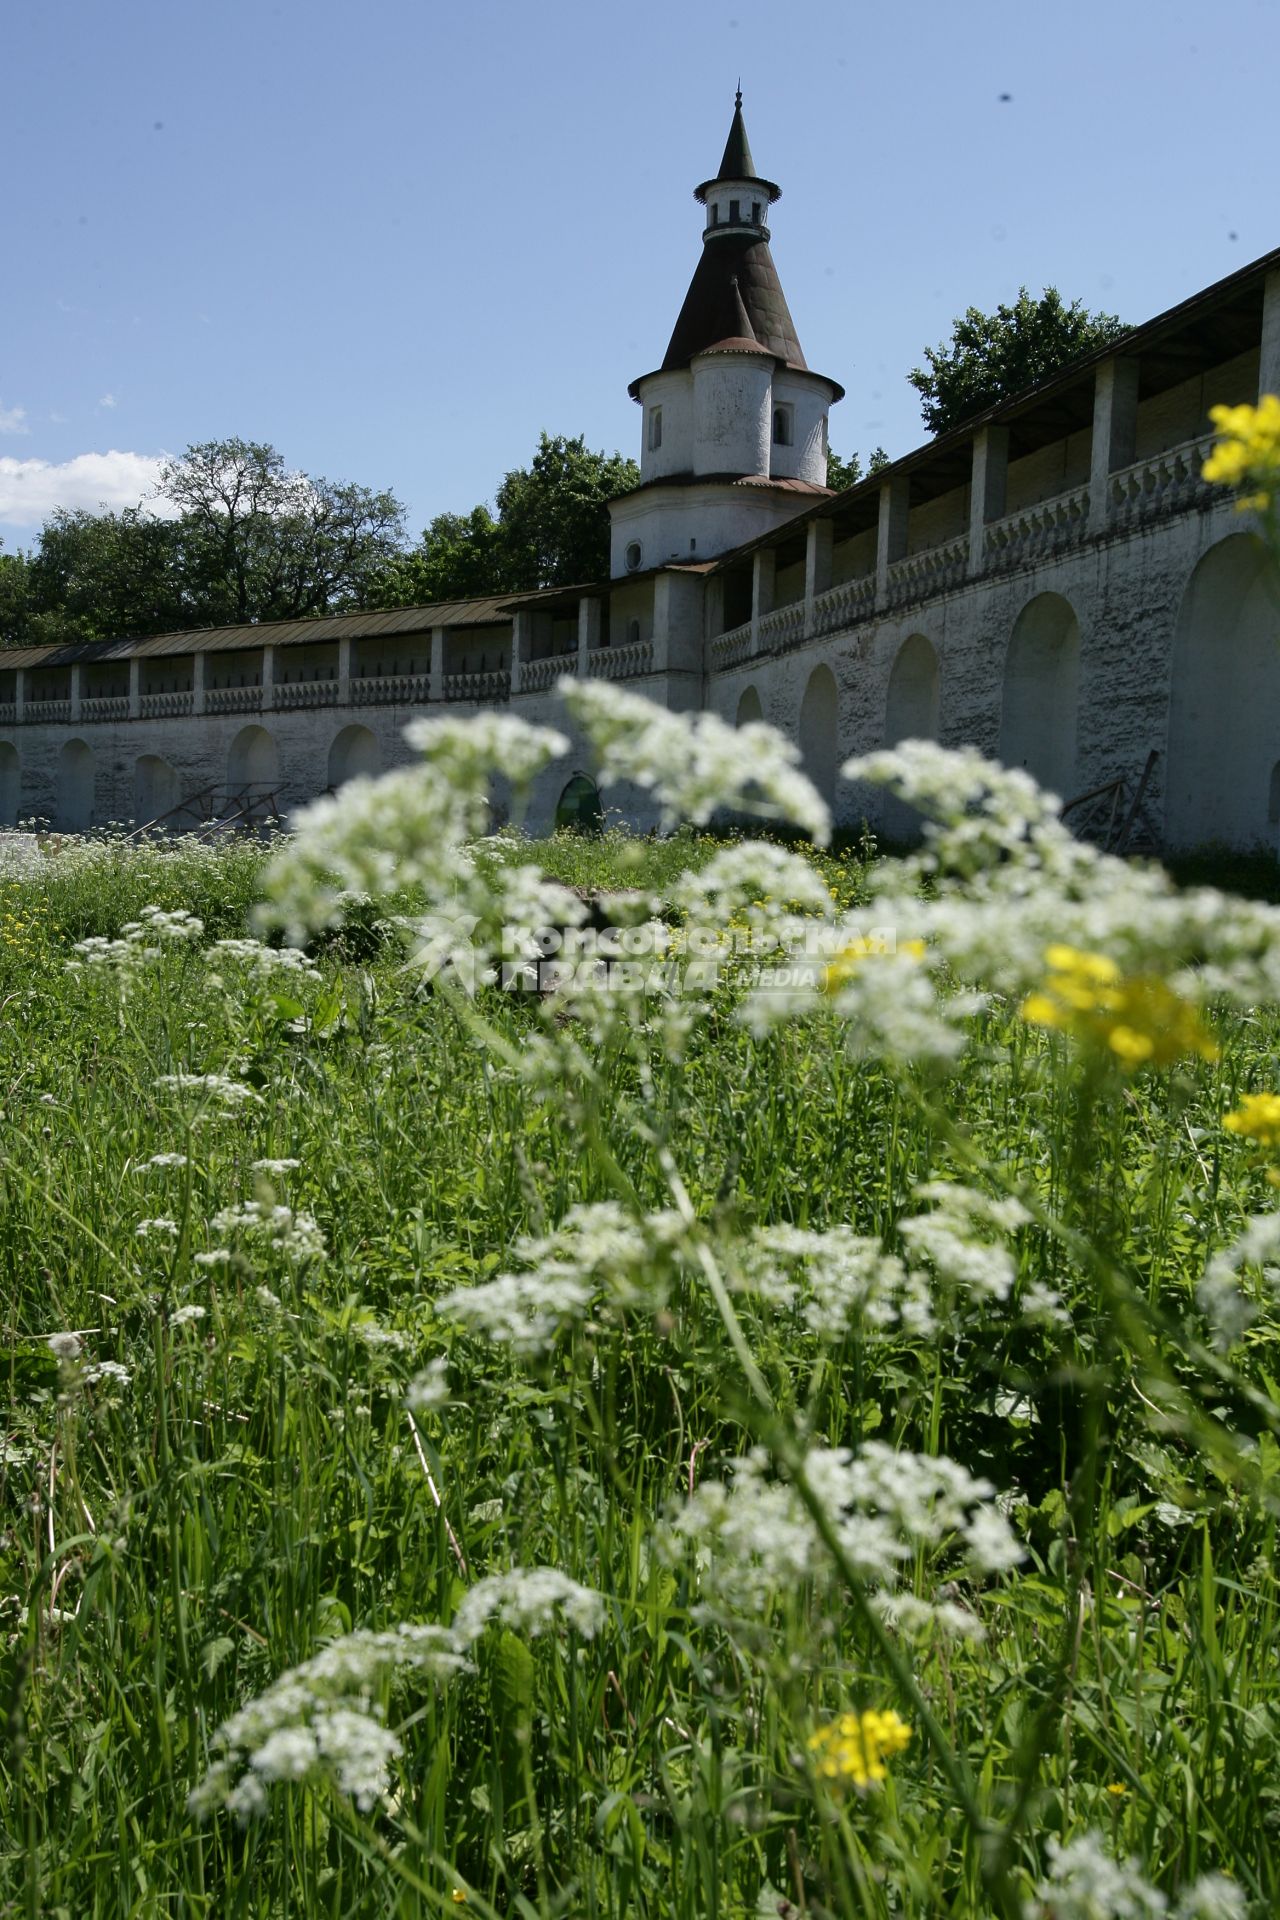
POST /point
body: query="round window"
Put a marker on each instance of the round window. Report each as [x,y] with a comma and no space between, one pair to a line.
[634,556]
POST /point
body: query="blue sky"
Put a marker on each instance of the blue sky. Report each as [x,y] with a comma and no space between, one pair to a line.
[398,240]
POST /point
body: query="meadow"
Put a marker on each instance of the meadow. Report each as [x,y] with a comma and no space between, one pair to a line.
[730,1446]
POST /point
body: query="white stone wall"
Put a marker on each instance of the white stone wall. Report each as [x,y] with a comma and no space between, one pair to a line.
[809,398]
[664,521]
[1146,619]
[732,416]
[673,392]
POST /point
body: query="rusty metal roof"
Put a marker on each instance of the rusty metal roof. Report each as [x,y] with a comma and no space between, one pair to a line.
[487,611]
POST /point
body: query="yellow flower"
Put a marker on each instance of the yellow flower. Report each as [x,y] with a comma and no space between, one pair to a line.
[847,961]
[1247,453]
[1118,1789]
[1257,1118]
[458,1897]
[851,1751]
[1138,1020]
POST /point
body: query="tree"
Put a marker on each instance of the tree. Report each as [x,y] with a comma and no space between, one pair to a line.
[553,514]
[992,356]
[551,530]
[98,575]
[458,559]
[847,473]
[257,542]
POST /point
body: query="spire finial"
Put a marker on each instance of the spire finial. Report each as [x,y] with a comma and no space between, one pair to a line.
[738,96]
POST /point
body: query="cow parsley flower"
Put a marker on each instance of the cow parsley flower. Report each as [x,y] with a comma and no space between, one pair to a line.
[296,1237]
[695,764]
[954,1238]
[530,1600]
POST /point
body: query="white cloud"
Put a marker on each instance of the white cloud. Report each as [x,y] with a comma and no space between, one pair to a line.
[108,400]
[30,490]
[13,420]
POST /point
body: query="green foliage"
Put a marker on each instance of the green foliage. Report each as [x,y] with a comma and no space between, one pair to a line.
[992,356]
[551,530]
[847,473]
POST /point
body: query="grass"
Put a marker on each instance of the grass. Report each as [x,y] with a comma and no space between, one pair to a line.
[171,1545]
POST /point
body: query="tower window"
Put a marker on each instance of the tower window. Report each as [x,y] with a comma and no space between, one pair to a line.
[735,211]
[655,429]
[715,214]
[782,426]
[633,556]
[755,211]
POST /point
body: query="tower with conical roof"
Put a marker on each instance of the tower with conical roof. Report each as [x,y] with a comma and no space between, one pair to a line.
[735,424]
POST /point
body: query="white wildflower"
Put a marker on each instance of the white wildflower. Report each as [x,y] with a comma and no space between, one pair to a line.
[1212,1897]
[110,1372]
[187,1316]
[429,1388]
[218,1088]
[531,1600]
[294,1236]
[695,764]
[159,1229]
[275,1169]
[65,1346]
[1085,1883]
[167,1160]
[1221,1295]
[953,1238]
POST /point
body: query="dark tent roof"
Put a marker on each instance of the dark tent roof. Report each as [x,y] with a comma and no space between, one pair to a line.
[737,163]
[736,274]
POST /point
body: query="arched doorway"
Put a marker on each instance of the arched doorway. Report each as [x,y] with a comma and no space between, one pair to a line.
[579,805]
[10,784]
[253,761]
[749,708]
[819,731]
[911,709]
[355,751]
[155,788]
[1224,705]
[75,787]
[1041,693]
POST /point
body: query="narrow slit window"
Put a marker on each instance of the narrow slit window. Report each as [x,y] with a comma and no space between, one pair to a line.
[782,426]
[655,429]
[735,212]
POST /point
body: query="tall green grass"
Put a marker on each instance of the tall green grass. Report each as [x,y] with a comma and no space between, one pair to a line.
[171,1545]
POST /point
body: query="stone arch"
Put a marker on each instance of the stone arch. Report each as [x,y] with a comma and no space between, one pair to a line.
[1040,702]
[749,707]
[354,751]
[911,706]
[253,760]
[155,788]
[1224,734]
[75,787]
[819,730]
[10,784]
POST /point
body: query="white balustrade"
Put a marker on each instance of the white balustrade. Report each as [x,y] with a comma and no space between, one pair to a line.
[621,663]
[1036,533]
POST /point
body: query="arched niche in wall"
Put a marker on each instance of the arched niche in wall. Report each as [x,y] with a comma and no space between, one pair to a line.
[1040,700]
[155,788]
[911,708]
[253,761]
[354,751]
[75,787]
[1224,703]
[749,707]
[819,731]
[10,784]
